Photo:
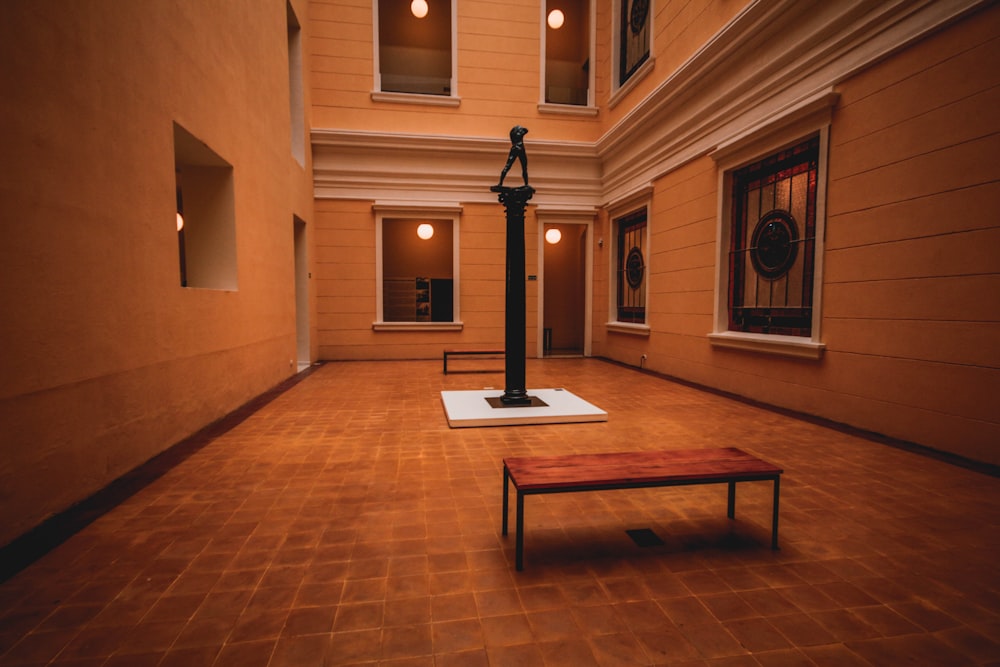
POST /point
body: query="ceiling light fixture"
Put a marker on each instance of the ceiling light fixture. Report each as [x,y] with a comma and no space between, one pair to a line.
[425,230]
[556,18]
[419,8]
[553,236]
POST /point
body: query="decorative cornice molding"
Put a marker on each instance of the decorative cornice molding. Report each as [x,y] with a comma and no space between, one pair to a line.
[422,168]
[805,115]
[775,57]
[630,200]
[424,207]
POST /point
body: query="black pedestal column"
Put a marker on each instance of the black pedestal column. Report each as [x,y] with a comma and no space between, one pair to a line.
[514,201]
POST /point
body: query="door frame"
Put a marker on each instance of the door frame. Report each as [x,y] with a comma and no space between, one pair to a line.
[553,215]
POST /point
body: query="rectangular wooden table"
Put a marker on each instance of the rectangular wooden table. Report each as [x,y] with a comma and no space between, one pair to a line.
[631,470]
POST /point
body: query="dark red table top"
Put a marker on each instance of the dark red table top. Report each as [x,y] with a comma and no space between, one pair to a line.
[623,468]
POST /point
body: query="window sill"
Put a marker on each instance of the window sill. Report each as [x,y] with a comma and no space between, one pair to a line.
[566,109]
[417,326]
[628,328]
[786,346]
[417,98]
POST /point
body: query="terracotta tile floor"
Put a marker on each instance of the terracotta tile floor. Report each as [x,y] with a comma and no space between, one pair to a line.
[345,523]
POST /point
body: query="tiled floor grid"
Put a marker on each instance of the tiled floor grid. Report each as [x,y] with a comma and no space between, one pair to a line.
[344,523]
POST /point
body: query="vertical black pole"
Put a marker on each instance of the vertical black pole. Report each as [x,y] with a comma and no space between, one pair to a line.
[514,201]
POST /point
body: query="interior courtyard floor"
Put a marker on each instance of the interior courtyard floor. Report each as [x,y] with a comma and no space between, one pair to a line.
[342,522]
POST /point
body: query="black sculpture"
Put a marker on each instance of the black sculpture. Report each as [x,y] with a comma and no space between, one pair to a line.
[516,153]
[514,201]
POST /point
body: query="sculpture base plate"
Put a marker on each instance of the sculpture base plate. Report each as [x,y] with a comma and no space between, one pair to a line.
[465,409]
[526,402]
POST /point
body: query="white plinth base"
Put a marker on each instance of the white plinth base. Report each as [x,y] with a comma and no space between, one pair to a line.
[470,408]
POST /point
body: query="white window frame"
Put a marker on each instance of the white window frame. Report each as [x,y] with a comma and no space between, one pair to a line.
[378,95]
[443,211]
[588,109]
[810,117]
[296,104]
[639,200]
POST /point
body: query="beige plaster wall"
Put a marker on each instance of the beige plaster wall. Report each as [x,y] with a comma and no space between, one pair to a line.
[499,68]
[346,285]
[107,359]
[912,267]
[908,320]
[498,47]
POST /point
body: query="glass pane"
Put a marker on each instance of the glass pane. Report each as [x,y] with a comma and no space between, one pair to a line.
[774,206]
[417,272]
[415,52]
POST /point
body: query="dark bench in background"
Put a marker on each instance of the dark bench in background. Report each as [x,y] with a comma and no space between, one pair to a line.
[481,353]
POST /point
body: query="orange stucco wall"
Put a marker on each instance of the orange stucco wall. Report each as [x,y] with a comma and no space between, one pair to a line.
[910,287]
[107,359]
[346,285]
[910,266]
[498,51]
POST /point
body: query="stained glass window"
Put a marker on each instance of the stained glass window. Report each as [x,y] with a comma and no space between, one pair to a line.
[633,37]
[772,252]
[632,268]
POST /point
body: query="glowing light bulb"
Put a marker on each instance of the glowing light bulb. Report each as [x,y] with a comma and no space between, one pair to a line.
[180,222]
[419,8]
[556,18]
[425,231]
[553,236]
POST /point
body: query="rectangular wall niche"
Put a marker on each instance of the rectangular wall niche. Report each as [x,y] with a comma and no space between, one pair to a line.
[206,224]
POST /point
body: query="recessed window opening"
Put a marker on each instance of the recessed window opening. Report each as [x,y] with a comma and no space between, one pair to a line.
[567,52]
[631,271]
[180,233]
[772,252]
[295,97]
[415,46]
[418,280]
[206,222]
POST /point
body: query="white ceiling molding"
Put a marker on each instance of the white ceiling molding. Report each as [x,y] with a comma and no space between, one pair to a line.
[423,208]
[631,200]
[420,168]
[795,122]
[773,60]
[773,56]
[584,212]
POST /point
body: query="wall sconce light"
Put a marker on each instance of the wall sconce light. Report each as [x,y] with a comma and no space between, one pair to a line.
[425,230]
[553,236]
[556,18]
[419,8]
[180,204]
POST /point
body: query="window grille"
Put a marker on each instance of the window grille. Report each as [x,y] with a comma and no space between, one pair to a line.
[772,252]
[632,268]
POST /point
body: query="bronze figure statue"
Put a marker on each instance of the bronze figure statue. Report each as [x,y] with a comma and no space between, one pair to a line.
[516,153]
[514,201]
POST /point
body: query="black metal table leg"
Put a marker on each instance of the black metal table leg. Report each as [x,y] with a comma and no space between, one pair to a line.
[519,548]
[506,480]
[774,518]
